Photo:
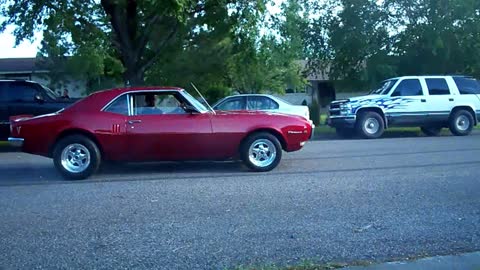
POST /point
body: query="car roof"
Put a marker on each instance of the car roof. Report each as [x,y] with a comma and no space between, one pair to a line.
[122,90]
[428,76]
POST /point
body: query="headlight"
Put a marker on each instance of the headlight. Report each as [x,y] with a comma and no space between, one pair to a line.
[345,108]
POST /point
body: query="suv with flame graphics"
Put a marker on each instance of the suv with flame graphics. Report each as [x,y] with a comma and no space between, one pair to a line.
[429,102]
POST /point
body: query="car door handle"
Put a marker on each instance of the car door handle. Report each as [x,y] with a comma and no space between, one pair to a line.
[423,100]
[131,122]
[450,99]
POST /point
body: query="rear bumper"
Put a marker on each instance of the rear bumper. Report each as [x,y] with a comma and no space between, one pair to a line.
[15,142]
[342,122]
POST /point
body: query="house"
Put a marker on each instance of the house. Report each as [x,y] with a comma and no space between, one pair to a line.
[33,69]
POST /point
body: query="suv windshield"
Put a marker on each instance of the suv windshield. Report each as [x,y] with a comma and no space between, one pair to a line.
[51,94]
[384,87]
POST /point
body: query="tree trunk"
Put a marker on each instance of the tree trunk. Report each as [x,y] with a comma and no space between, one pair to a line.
[134,77]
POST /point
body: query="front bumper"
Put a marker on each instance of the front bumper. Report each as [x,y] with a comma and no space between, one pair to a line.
[15,142]
[342,122]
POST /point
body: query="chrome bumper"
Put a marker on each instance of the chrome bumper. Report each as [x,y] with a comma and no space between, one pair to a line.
[15,142]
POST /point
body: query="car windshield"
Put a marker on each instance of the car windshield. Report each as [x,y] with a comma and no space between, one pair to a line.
[384,87]
[51,94]
[195,102]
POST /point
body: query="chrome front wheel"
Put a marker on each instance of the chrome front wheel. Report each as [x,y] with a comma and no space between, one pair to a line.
[261,151]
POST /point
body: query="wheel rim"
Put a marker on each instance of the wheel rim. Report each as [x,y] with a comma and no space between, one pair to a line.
[463,123]
[75,158]
[371,125]
[262,153]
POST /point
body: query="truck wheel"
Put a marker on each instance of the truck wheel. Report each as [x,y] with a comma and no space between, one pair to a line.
[370,125]
[76,157]
[461,123]
[261,152]
[431,131]
[345,133]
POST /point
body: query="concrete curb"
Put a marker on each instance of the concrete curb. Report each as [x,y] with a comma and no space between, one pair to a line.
[466,261]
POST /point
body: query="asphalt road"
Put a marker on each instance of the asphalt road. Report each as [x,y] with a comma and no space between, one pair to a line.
[341,201]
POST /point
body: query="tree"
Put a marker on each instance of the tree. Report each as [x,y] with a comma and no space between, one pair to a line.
[139,31]
[439,36]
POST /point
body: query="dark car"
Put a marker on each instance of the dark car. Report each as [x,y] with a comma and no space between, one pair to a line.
[20,97]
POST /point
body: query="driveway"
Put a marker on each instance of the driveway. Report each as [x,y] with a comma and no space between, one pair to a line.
[342,201]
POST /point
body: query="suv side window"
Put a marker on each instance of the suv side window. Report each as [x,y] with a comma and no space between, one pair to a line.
[467,86]
[437,87]
[21,92]
[408,87]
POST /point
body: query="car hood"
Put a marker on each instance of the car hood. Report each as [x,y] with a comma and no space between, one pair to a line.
[368,97]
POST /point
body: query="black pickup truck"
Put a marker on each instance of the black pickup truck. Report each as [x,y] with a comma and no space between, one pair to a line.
[19,97]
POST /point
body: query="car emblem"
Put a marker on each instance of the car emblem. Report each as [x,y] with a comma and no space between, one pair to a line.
[18,129]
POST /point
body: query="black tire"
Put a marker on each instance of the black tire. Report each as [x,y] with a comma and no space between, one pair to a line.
[363,125]
[257,139]
[461,123]
[345,133]
[431,131]
[79,144]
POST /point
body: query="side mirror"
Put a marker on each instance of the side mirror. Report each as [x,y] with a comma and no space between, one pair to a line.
[39,98]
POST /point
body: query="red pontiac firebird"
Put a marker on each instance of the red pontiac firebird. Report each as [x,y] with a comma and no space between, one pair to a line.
[155,124]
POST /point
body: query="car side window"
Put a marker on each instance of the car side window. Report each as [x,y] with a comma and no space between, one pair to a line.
[437,86]
[21,92]
[119,106]
[261,103]
[408,87]
[467,86]
[232,104]
[156,103]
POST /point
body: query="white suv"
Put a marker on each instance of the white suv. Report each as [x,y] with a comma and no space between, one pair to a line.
[429,102]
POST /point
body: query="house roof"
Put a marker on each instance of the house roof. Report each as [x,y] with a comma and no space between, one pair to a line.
[21,65]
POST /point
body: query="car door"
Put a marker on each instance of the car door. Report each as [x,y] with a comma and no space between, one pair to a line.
[406,105]
[165,131]
[440,100]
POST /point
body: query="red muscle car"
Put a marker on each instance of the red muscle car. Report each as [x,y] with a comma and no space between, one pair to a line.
[155,124]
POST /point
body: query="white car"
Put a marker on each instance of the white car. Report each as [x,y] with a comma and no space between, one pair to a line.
[429,102]
[260,102]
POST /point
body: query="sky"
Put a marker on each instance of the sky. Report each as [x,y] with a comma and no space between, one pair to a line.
[29,49]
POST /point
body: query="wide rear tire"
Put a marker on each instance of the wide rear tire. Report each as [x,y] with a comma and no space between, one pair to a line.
[461,123]
[261,152]
[76,157]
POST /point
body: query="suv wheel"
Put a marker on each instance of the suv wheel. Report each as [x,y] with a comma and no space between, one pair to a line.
[431,131]
[76,157]
[461,123]
[370,125]
[261,152]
